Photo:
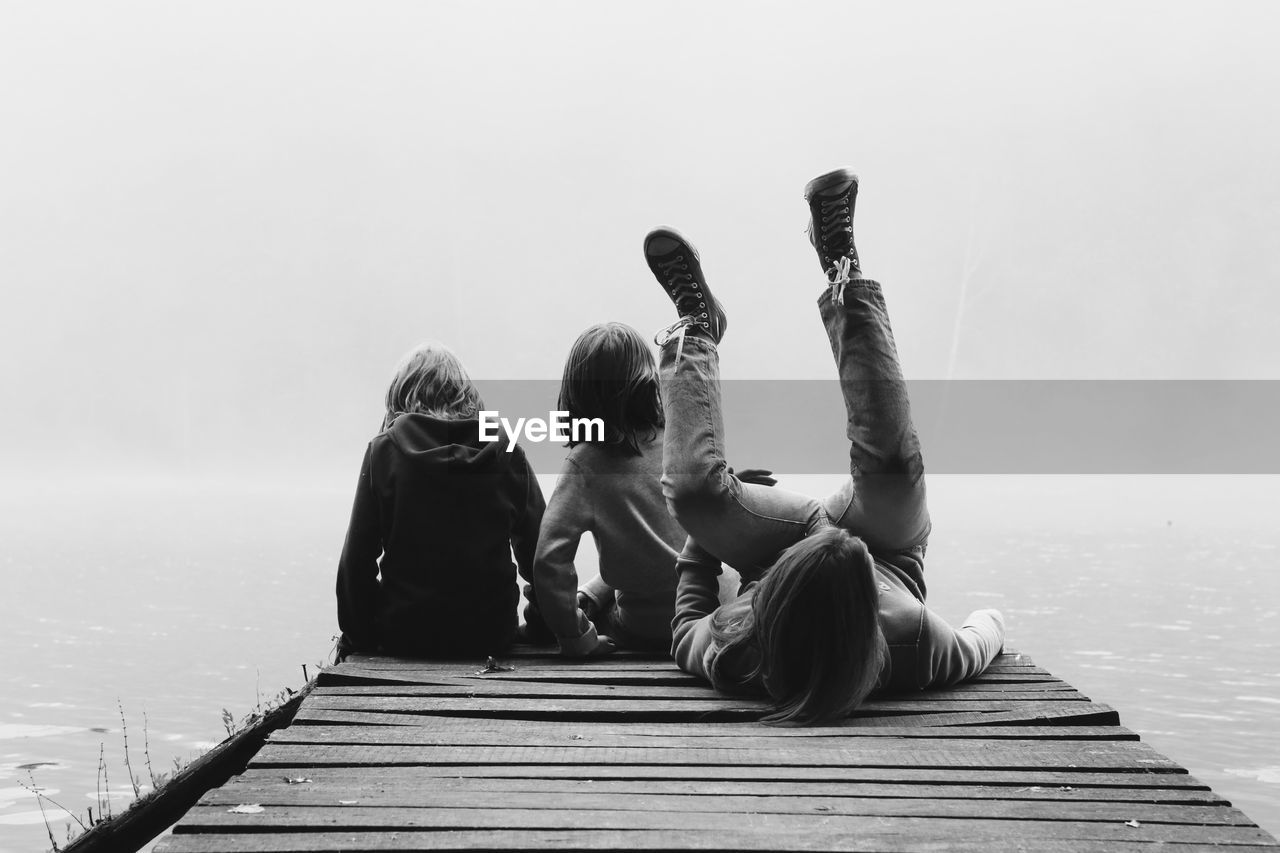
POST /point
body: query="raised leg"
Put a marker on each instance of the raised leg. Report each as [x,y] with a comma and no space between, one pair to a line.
[744,524]
[884,499]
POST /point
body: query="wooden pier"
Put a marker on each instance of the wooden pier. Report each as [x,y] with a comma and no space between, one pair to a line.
[629,753]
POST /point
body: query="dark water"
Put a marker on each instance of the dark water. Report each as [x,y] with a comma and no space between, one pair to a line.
[174,600]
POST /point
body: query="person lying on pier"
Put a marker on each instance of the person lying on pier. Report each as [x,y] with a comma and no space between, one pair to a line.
[833,600]
[609,487]
[438,511]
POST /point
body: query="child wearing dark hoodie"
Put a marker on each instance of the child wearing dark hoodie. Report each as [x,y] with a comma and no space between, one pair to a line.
[438,513]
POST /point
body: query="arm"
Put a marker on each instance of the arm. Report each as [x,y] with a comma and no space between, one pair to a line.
[357,587]
[697,597]
[555,578]
[527,499]
[955,654]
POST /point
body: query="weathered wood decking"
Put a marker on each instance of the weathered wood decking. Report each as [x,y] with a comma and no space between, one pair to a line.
[628,753]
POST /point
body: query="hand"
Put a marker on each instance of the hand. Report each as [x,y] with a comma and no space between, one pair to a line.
[695,557]
[604,646]
[589,644]
[758,476]
[588,606]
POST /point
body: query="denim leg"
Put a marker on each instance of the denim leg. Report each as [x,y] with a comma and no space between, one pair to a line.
[884,499]
[744,524]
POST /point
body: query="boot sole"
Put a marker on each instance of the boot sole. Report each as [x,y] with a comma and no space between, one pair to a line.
[830,179]
[671,234]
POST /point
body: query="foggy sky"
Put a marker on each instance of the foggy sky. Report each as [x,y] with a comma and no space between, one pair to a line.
[222,223]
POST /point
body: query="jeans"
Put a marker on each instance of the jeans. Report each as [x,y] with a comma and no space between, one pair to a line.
[748,525]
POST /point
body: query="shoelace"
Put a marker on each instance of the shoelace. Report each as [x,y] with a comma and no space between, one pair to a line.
[836,218]
[680,327]
[683,287]
[836,237]
[839,277]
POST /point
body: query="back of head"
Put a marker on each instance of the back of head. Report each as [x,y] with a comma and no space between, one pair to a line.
[611,375]
[431,380]
[816,623]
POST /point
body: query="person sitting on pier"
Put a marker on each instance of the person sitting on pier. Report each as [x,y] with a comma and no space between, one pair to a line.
[609,487]
[438,511]
[833,600]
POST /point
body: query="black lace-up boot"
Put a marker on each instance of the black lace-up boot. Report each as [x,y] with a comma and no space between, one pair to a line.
[675,263]
[831,199]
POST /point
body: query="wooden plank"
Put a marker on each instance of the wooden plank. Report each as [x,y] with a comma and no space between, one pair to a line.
[648,692]
[461,668]
[712,708]
[685,737]
[326,786]
[1015,675]
[1020,713]
[948,837]
[1128,778]
[455,810]
[623,657]
[521,730]
[211,818]
[720,708]
[432,675]
[503,688]
[940,752]
[562,666]
[1028,714]
[520,651]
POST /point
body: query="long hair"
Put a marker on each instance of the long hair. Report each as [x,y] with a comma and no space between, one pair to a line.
[814,619]
[430,380]
[610,374]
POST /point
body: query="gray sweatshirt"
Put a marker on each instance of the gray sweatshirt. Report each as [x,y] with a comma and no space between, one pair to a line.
[616,498]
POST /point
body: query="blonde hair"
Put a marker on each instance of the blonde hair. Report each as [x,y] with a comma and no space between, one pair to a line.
[814,618]
[431,380]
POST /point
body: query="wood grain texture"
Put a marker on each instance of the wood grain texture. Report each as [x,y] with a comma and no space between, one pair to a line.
[629,753]
[324,786]
[941,839]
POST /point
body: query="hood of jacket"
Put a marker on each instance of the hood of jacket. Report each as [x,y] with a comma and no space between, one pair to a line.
[432,442]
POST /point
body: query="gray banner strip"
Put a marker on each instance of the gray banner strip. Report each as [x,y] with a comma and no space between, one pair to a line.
[986,426]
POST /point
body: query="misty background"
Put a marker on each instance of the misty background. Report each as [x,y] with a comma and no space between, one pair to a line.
[223,223]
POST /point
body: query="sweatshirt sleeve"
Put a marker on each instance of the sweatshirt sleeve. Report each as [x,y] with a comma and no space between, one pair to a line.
[697,597]
[555,577]
[524,540]
[357,587]
[955,654]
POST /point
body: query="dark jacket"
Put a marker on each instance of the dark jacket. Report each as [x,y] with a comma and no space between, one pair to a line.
[443,510]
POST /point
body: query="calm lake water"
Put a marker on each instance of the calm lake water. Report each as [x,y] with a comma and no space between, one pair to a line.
[173,599]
